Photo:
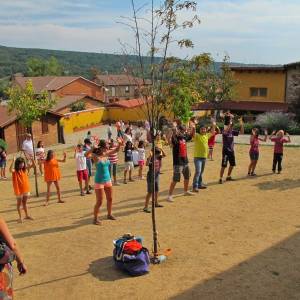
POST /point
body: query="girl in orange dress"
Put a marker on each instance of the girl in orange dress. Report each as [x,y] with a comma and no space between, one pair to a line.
[52,174]
[21,185]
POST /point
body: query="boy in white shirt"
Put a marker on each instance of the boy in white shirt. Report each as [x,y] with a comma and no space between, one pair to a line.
[82,172]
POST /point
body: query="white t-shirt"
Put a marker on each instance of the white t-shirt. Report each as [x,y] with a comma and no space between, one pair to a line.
[27,147]
[40,153]
[127,138]
[142,154]
[80,161]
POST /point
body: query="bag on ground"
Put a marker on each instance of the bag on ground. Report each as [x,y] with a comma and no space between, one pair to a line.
[130,255]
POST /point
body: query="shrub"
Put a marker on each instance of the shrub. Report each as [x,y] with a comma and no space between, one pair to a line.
[78,106]
[276,121]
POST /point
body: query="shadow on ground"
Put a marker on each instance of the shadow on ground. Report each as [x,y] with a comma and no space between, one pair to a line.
[104,269]
[282,185]
[272,274]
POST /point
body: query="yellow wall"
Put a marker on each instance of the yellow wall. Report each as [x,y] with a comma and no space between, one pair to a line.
[90,117]
[273,81]
[83,119]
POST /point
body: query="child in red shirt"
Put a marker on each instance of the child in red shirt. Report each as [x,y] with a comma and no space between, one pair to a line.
[278,140]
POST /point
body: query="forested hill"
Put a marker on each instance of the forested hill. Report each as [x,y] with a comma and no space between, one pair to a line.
[13,60]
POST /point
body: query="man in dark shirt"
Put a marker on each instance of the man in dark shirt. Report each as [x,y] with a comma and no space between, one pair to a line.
[180,160]
[228,150]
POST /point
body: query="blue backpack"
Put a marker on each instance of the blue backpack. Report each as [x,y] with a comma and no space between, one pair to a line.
[134,261]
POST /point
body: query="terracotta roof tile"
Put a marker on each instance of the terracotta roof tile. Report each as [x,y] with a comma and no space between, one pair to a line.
[127,103]
[121,79]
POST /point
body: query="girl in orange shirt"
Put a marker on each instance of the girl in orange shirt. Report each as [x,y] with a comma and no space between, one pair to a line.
[21,185]
[52,174]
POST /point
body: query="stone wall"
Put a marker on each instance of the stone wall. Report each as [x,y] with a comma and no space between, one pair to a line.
[293,85]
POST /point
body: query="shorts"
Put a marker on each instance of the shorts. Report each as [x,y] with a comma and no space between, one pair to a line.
[211,147]
[254,155]
[184,169]
[101,186]
[20,197]
[228,157]
[141,163]
[2,164]
[82,175]
[129,166]
[150,183]
[113,168]
[89,167]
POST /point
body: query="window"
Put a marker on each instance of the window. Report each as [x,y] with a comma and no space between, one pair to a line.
[258,92]
[113,91]
[45,128]
[127,89]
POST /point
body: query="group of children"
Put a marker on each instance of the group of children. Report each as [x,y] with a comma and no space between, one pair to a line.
[104,156]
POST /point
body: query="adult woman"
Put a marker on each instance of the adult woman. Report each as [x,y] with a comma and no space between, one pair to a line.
[6,270]
[103,182]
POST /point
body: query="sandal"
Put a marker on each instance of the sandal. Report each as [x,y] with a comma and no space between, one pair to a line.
[147,210]
[97,222]
[111,217]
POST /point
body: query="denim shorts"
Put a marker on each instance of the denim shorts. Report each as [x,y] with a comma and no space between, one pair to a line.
[178,169]
[150,183]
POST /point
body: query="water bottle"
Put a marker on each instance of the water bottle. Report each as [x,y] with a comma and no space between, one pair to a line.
[162,258]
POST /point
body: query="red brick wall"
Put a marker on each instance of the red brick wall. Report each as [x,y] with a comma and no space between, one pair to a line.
[11,138]
[49,138]
[81,86]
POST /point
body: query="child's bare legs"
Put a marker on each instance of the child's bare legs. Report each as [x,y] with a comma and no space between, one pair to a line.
[41,167]
[210,154]
[254,163]
[80,187]
[108,194]
[24,204]
[147,201]
[58,192]
[3,175]
[172,187]
[229,171]
[99,199]
[19,203]
[86,182]
[222,172]
[125,175]
[130,175]
[48,192]
[250,167]
[140,171]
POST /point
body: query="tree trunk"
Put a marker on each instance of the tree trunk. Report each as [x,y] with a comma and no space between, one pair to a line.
[35,167]
[155,239]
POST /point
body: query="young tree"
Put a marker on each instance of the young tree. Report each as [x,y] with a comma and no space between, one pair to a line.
[29,107]
[42,67]
[153,37]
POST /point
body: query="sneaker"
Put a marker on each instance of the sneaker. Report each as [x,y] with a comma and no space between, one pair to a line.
[82,194]
[202,187]
[220,181]
[170,198]
[229,178]
[253,174]
[125,182]
[195,191]
[116,184]
[4,178]
[188,193]
[88,192]
[147,210]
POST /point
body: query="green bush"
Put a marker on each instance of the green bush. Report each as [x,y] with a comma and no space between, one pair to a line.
[277,121]
[78,106]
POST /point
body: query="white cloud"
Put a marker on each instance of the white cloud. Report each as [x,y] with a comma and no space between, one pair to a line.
[254,31]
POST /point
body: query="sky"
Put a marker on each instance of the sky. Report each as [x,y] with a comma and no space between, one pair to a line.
[252,31]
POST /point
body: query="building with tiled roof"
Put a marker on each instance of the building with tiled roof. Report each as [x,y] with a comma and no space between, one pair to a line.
[121,86]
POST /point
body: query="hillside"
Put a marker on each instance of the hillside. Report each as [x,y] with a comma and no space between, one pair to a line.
[13,60]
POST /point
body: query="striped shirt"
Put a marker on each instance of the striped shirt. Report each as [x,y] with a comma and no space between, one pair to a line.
[113,158]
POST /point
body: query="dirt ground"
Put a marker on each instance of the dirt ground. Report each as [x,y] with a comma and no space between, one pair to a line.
[239,240]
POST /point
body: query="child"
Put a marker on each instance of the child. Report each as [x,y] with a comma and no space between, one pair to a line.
[3,158]
[278,140]
[141,158]
[21,186]
[254,152]
[128,161]
[40,155]
[82,172]
[52,174]
[150,178]
[113,158]
[109,131]
[212,141]
[89,163]
[159,144]
[102,179]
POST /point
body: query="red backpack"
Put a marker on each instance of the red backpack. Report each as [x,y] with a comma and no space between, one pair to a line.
[182,148]
[132,247]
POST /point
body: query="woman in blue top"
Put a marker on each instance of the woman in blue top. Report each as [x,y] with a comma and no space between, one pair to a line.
[102,178]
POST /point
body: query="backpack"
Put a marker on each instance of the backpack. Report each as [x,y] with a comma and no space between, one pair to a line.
[7,256]
[182,148]
[130,256]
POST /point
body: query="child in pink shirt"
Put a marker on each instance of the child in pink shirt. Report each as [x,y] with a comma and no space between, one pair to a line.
[278,140]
